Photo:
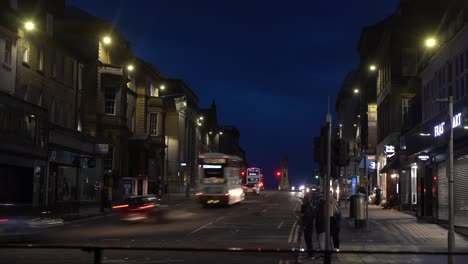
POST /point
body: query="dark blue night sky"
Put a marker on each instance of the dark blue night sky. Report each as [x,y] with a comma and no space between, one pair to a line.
[270,65]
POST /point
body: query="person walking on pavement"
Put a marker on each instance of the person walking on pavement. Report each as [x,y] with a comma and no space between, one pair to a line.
[335,223]
[306,221]
[320,223]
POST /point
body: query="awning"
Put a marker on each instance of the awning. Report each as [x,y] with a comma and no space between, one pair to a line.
[394,164]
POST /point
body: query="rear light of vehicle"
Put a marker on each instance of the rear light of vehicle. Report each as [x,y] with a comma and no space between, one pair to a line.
[120,206]
[3,220]
[145,206]
[199,193]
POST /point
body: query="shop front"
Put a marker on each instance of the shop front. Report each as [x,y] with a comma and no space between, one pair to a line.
[74,171]
[427,154]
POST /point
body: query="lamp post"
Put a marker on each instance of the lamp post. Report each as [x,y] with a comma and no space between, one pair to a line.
[431,43]
[327,186]
[449,172]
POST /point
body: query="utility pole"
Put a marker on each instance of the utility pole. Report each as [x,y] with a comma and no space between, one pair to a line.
[327,187]
[449,172]
[451,233]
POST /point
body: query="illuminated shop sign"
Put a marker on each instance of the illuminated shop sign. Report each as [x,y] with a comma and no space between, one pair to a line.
[389,151]
[424,157]
[439,129]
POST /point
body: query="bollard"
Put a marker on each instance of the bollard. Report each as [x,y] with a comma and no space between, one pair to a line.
[359,210]
[97,256]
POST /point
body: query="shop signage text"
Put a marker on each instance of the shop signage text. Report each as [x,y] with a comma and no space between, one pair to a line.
[389,151]
[439,129]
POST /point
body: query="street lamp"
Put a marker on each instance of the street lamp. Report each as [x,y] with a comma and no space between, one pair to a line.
[356,91]
[430,42]
[130,68]
[29,25]
[162,87]
[372,67]
[106,40]
[449,168]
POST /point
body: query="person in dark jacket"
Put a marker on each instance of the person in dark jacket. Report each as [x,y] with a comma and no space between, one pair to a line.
[335,223]
[320,222]
[308,212]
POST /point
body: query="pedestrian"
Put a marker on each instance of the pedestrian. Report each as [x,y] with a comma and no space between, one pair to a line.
[320,223]
[335,224]
[306,221]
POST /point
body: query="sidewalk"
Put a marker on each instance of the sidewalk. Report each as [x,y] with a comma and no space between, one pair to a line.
[391,230]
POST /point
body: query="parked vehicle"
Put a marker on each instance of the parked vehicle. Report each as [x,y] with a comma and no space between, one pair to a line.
[141,208]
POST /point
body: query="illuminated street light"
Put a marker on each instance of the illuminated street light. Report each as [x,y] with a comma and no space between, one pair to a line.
[201,117]
[29,25]
[130,67]
[372,67]
[356,91]
[162,87]
[107,40]
[221,132]
[430,42]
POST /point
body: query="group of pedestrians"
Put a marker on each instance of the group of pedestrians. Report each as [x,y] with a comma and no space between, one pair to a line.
[313,217]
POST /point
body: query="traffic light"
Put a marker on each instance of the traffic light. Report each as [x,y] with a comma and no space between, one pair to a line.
[340,153]
[317,173]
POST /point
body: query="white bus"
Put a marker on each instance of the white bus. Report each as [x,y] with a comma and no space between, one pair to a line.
[255,175]
[220,179]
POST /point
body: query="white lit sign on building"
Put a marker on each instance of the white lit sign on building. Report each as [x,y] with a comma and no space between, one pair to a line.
[439,129]
[390,151]
[424,157]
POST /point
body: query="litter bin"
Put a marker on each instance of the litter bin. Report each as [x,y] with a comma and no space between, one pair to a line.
[351,206]
[359,210]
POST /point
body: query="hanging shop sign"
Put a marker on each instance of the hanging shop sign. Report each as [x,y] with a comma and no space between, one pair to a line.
[389,151]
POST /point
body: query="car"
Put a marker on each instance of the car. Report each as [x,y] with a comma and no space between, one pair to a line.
[24,221]
[141,208]
[251,188]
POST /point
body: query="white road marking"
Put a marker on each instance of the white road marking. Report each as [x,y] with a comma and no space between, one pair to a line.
[291,232]
[200,228]
[219,218]
[264,210]
[280,224]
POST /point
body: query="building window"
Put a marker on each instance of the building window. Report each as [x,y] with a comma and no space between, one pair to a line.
[61,67]
[133,121]
[52,110]
[40,61]
[7,58]
[109,97]
[414,185]
[153,91]
[26,52]
[4,120]
[153,124]
[404,112]
[107,162]
[14,4]
[30,127]
[53,63]
[409,62]
[50,24]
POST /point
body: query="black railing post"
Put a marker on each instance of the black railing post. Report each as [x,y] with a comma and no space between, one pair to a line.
[97,255]
[327,258]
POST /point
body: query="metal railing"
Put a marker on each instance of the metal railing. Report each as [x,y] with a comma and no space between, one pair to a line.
[327,256]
